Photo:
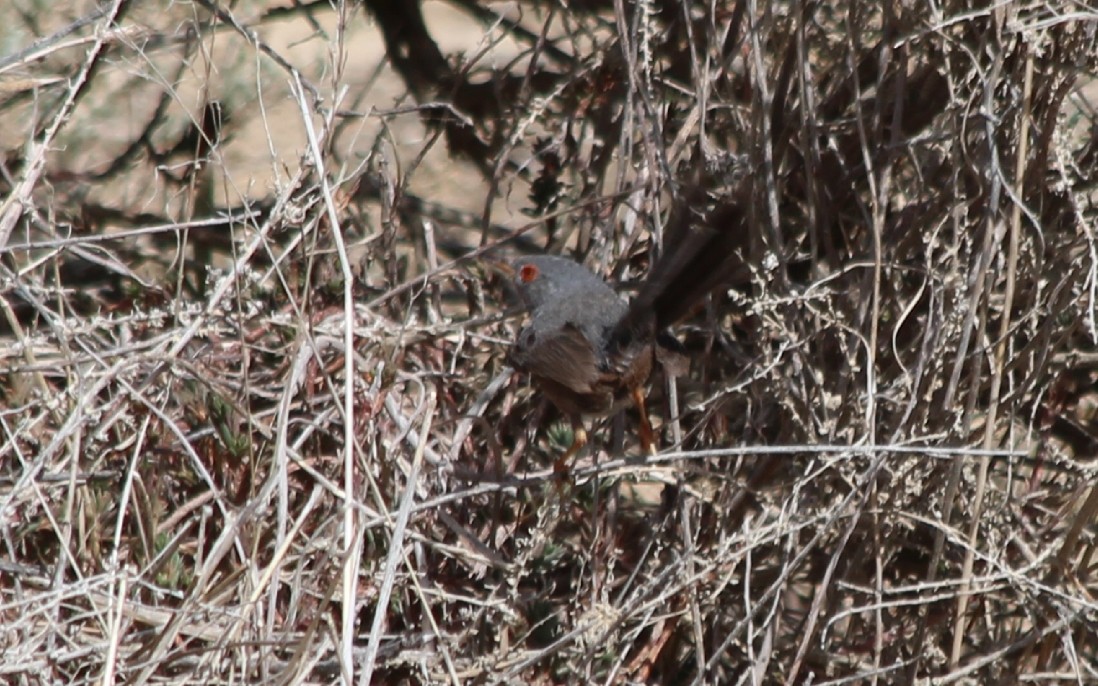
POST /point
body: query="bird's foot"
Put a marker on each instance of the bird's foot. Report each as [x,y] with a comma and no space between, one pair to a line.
[647,435]
[562,466]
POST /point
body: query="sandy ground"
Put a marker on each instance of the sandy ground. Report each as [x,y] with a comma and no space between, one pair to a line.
[372,87]
[268,145]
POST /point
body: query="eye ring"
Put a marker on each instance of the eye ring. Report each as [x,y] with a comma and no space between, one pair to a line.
[528,273]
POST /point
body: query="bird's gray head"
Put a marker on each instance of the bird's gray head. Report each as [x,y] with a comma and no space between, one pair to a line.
[545,279]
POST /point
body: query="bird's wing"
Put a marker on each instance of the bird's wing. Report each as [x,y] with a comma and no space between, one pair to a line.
[563,356]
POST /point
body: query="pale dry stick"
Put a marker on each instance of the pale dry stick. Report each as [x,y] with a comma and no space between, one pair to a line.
[791,522]
[114,630]
[640,83]
[225,284]
[167,525]
[811,122]
[377,519]
[695,118]
[255,41]
[627,464]
[942,22]
[277,215]
[1025,576]
[510,487]
[433,312]
[396,546]
[36,637]
[32,171]
[27,609]
[31,647]
[640,620]
[928,335]
[689,547]
[645,171]
[407,430]
[418,443]
[655,596]
[759,373]
[268,137]
[772,216]
[766,650]
[215,223]
[169,423]
[748,611]
[19,199]
[999,361]
[127,488]
[1088,229]
[169,620]
[923,593]
[228,538]
[1083,517]
[880,200]
[759,660]
[349,536]
[109,375]
[119,597]
[333,489]
[337,51]
[47,45]
[309,349]
[53,361]
[682,138]
[168,548]
[413,576]
[819,598]
[337,59]
[480,404]
[584,628]
[474,552]
[1052,19]
[918,594]
[303,667]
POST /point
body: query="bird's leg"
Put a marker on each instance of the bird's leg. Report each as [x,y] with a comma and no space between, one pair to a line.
[648,438]
[579,440]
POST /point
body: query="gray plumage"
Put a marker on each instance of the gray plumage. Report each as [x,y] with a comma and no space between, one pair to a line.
[572,296]
[566,344]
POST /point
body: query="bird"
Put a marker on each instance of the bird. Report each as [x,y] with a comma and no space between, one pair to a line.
[591,352]
[572,348]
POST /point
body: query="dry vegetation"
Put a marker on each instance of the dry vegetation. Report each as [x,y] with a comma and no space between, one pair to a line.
[255,420]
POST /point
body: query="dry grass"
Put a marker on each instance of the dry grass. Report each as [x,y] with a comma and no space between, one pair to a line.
[256,421]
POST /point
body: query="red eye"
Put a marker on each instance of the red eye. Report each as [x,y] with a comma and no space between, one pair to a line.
[527,273]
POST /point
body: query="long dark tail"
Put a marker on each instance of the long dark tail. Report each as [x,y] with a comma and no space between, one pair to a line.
[701,254]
